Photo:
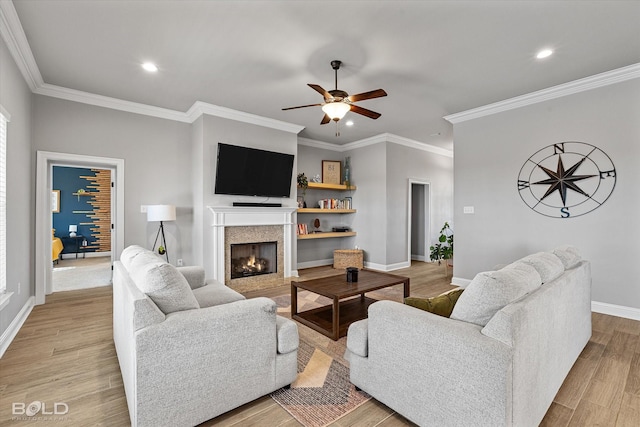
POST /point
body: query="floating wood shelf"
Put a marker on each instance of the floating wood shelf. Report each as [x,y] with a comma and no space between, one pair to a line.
[326,235]
[333,211]
[324,186]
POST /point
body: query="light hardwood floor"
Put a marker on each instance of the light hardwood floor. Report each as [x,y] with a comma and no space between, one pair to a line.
[65,353]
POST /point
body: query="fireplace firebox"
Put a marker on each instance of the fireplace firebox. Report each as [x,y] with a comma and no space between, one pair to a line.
[253,259]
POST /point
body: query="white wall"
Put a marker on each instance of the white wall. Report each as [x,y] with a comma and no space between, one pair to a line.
[489,154]
[157,155]
[16,98]
[404,163]
[205,145]
[381,173]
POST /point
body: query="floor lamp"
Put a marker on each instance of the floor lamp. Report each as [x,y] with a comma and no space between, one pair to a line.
[161,213]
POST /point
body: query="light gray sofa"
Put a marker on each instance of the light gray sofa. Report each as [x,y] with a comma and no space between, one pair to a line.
[500,359]
[189,350]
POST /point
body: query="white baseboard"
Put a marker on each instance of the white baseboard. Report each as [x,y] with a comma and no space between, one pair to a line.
[317,263]
[10,333]
[387,267]
[615,310]
[86,255]
[419,258]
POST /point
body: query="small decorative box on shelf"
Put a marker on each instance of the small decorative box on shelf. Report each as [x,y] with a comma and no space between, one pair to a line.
[343,258]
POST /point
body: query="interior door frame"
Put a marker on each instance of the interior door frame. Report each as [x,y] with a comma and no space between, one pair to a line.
[45,161]
[426,185]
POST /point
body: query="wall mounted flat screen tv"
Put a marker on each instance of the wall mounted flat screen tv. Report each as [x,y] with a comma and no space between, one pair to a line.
[243,171]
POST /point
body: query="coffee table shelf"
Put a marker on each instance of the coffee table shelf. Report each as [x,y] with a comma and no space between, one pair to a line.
[321,319]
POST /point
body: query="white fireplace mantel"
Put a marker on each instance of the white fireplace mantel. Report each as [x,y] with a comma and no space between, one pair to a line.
[233,216]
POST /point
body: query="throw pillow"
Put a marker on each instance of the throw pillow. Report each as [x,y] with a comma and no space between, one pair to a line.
[490,291]
[547,264]
[569,255]
[165,286]
[442,305]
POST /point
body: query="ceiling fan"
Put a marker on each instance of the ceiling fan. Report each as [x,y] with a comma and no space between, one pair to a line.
[338,102]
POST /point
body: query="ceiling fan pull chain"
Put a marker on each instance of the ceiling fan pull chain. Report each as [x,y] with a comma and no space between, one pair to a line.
[337,129]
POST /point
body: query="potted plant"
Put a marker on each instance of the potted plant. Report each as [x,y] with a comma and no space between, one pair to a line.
[443,250]
[303,183]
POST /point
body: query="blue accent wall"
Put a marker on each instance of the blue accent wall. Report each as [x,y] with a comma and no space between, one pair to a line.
[68,181]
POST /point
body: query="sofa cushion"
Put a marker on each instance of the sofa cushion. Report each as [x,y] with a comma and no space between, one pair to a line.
[165,286]
[215,293]
[490,291]
[135,255]
[442,305]
[546,264]
[569,255]
[194,275]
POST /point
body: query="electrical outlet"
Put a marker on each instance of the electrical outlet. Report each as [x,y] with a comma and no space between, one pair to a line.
[180,262]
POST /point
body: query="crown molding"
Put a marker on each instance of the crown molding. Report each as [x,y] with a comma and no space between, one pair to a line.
[108,102]
[319,144]
[376,139]
[13,34]
[199,108]
[581,85]
[18,45]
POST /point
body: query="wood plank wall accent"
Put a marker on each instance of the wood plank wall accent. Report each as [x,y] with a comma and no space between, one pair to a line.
[100,199]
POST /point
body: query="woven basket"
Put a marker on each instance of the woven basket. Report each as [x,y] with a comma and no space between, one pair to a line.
[343,258]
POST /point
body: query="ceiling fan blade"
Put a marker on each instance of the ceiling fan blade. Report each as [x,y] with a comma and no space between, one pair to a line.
[320,90]
[368,95]
[326,119]
[365,112]
[302,106]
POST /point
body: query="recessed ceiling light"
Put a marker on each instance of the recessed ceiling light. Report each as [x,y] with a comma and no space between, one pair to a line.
[150,67]
[544,53]
[349,123]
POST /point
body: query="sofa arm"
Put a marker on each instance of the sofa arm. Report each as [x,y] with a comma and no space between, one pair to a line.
[420,364]
[194,275]
[287,335]
[358,338]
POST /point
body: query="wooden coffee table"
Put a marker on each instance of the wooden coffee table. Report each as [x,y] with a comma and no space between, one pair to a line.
[334,320]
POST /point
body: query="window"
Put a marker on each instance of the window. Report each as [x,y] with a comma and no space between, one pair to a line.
[4,119]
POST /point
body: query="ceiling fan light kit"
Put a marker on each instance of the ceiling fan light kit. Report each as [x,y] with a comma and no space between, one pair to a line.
[336,110]
[337,103]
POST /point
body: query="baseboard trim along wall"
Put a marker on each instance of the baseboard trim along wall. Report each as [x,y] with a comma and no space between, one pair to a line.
[11,332]
[316,263]
[615,310]
[86,255]
[597,307]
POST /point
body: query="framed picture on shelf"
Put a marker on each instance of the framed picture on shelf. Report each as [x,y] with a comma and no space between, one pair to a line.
[55,201]
[331,171]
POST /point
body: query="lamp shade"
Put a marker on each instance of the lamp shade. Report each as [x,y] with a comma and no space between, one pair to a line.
[73,228]
[336,110]
[161,213]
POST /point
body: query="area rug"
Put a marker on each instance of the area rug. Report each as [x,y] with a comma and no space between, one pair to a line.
[75,274]
[322,393]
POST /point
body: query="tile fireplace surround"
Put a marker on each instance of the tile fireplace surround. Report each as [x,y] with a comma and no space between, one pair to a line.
[247,225]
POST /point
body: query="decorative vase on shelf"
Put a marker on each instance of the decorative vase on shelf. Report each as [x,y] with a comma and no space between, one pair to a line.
[347,171]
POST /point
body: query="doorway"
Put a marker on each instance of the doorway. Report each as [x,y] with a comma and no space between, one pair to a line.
[419,212]
[81,217]
[45,201]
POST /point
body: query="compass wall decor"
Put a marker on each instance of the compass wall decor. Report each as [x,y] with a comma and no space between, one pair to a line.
[566,179]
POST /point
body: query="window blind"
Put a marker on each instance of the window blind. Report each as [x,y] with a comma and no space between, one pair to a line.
[4,119]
